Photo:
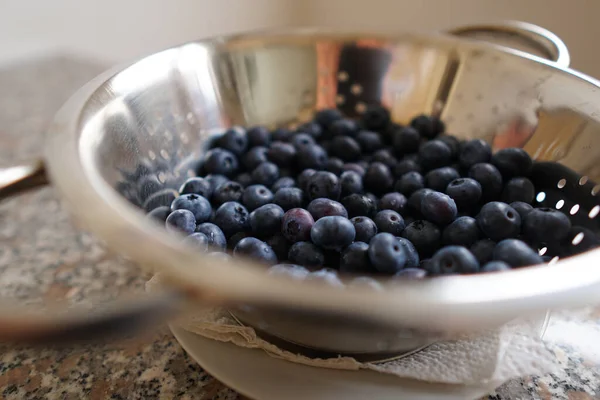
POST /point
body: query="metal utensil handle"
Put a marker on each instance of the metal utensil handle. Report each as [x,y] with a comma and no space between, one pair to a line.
[21,326]
[529,37]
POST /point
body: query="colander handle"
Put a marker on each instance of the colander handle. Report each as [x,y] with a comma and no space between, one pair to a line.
[521,36]
[127,317]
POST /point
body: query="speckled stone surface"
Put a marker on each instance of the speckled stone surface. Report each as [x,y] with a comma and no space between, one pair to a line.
[43,257]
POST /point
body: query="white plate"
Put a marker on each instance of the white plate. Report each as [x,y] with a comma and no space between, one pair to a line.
[256,375]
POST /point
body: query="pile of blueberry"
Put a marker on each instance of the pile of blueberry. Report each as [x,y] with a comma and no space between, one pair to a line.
[368,197]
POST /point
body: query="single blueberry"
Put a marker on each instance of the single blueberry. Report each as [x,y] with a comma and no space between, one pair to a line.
[312,128]
[284,182]
[355,259]
[369,141]
[220,161]
[415,199]
[234,140]
[255,196]
[495,266]
[198,240]
[489,178]
[466,192]
[428,126]
[160,213]
[406,140]
[452,142]
[516,253]
[296,225]
[376,118]
[385,156]
[333,233]
[359,205]
[181,221]
[266,220]
[499,221]
[288,198]
[365,229]
[389,221]
[198,186]
[163,197]
[354,167]
[280,245]
[393,201]
[255,249]
[464,231]
[378,178]
[345,148]
[306,254]
[424,235]
[323,184]
[281,135]
[453,260]
[483,250]
[334,165]
[228,191]
[215,181]
[320,208]
[522,208]
[546,225]
[386,253]
[406,165]
[265,174]
[216,237]
[438,208]
[198,205]
[411,274]
[311,157]
[301,140]
[327,117]
[412,255]
[258,136]
[434,154]
[512,162]
[231,217]
[410,183]
[473,152]
[254,157]
[282,154]
[439,178]
[518,189]
[343,127]
[351,183]
[302,179]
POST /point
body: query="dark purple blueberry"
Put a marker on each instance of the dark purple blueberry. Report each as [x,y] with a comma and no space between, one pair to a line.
[255,196]
[406,140]
[438,208]
[288,198]
[516,253]
[198,205]
[306,254]
[258,136]
[334,165]
[163,197]
[393,201]
[452,142]
[343,127]
[406,165]
[255,249]
[333,233]
[302,179]
[483,250]
[197,240]
[389,221]
[512,162]
[522,208]
[439,178]
[489,178]
[280,246]
[312,128]
[466,192]
[265,174]
[244,179]
[198,186]
[228,191]
[266,220]
[355,259]
[327,117]
[281,153]
[220,161]
[434,154]
[311,157]
[386,253]
[409,183]
[231,217]
[499,221]
[321,207]
[412,255]
[160,213]
[495,266]
[296,225]
[365,228]
[369,141]
[181,221]
[385,156]
[281,135]
[254,157]
[301,140]
[411,274]
[464,231]
[354,167]
[234,140]
[376,118]
[415,199]
[378,178]
[284,182]
[518,189]
[345,148]
[235,239]
[359,205]
[428,126]
[323,184]
[578,240]
[546,225]
[474,152]
[452,260]
[215,181]
[424,235]
[216,237]
[351,183]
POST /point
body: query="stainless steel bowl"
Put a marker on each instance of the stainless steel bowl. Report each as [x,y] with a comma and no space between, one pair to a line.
[156,115]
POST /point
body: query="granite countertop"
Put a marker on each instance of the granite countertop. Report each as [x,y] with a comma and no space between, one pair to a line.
[43,257]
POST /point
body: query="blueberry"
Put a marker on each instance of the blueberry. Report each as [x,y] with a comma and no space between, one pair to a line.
[288,198]
[244,179]
[385,156]
[293,271]
[489,178]
[323,184]
[307,254]
[351,183]
[512,162]
[302,179]
[483,250]
[438,208]
[369,141]
[220,161]
[215,235]
[281,135]
[163,197]
[301,140]
[499,221]
[578,240]
[198,205]
[434,154]
[546,225]
[406,165]
[439,178]
[378,178]
[428,126]
[359,205]
[411,274]
[516,253]
[231,217]
[355,259]
[320,208]
[327,117]
[453,260]
[393,201]
[522,208]
[236,237]
[389,221]
[182,221]
[198,186]
[333,233]
[412,255]
[228,191]
[283,182]
[255,196]
[466,192]
[234,140]
[258,136]
[376,118]
[198,240]
[281,153]
[255,249]
[464,231]
[518,189]
[415,199]
[296,225]
[365,229]
[495,266]
[280,245]
[354,167]
[265,174]
[266,220]
[410,183]
[160,213]
[312,128]
[215,181]
[386,253]
[473,152]
[345,148]
[254,157]
[148,185]
[452,142]
[311,157]
[343,127]
[334,165]
[424,235]
[406,140]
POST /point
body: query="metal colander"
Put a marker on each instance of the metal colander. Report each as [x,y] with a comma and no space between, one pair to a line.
[132,135]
